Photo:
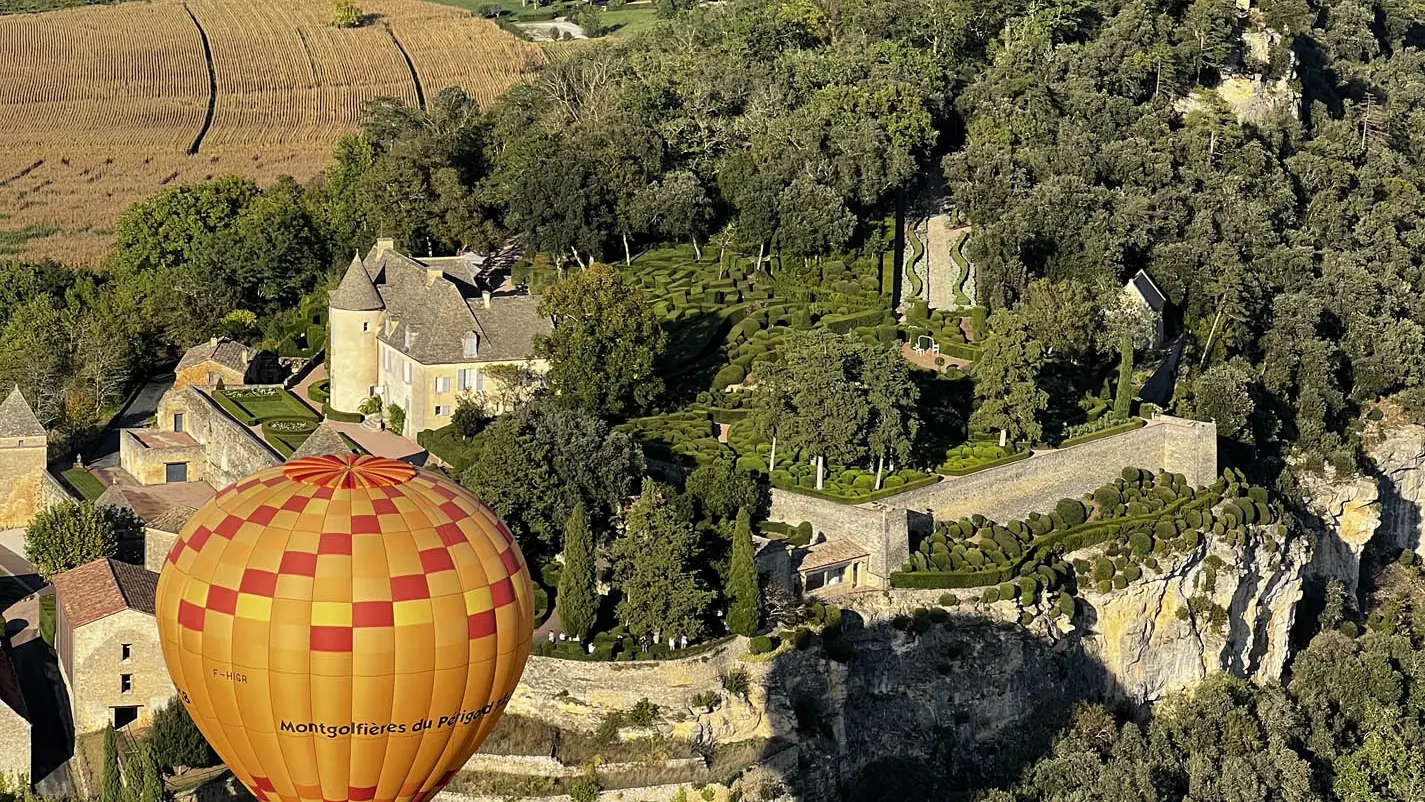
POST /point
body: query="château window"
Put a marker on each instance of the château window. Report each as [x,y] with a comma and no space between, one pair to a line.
[126,651]
[126,683]
[365,326]
[467,379]
[472,345]
[441,411]
[442,384]
[406,372]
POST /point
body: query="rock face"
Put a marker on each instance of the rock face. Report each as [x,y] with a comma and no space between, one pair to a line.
[1222,608]
[1348,514]
[1399,462]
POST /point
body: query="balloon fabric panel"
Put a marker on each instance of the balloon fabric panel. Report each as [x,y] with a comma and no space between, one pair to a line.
[345,628]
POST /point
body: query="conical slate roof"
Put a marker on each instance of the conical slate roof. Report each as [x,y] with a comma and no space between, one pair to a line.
[356,293]
[323,441]
[17,419]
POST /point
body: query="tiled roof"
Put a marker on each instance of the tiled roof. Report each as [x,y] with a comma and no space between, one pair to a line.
[101,588]
[17,419]
[225,352]
[509,327]
[173,520]
[356,293]
[321,442]
[439,312]
[10,695]
[830,552]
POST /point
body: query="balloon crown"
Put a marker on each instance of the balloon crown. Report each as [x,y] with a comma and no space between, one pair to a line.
[349,471]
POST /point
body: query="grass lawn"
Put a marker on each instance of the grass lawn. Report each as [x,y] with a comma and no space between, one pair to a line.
[83,483]
[47,618]
[255,405]
[631,20]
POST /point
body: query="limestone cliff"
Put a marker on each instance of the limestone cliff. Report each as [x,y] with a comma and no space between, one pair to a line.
[1347,515]
[1398,459]
[1221,608]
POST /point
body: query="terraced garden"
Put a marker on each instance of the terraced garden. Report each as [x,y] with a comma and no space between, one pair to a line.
[1137,520]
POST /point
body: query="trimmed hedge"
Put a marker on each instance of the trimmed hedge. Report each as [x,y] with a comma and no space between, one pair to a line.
[989,464]
[1135,423]
[338,415]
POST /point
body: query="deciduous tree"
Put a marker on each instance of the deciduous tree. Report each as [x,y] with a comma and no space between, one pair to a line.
[1007,396]
[73,533]
[605,342]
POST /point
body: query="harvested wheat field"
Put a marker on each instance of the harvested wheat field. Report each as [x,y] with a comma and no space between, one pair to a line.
[101,107]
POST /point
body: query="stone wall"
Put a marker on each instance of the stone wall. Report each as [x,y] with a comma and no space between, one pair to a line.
[149,465]
[21,464]
[14,736]
[156,545]
[1015,490]
[231,450]
[880,528]
[579,694]
[95,666]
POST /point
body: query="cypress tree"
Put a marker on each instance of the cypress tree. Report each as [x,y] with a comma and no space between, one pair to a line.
[1123,400]
[578,602]
[745,611]
[113,789]
[150,781]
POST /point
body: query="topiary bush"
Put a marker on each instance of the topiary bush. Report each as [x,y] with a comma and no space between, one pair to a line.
[760,645]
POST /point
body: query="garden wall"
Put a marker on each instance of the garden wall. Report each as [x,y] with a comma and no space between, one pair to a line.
[580,693]
[1015,490]
[881,528]
[232,451]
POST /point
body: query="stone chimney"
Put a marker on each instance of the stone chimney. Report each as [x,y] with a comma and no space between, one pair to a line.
[486,295]
[384,244]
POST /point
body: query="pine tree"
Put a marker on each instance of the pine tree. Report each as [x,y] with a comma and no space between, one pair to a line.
[1123,401]
[745,610]
[578,601]
[113,788]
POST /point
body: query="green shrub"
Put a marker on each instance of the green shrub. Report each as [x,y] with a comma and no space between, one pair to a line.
[1141,544]
[1120,581]
[1102,570]
[1071,510]
[990,596]
[1132,573]
[948,600]
[1066,604]
[643,713]
[760,645]
[729,375]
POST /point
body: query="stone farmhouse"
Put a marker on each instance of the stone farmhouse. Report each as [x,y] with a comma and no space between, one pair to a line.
[107,641]
[14,724]
[418,333]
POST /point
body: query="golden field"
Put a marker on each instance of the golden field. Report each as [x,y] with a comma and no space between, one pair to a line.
[106,105]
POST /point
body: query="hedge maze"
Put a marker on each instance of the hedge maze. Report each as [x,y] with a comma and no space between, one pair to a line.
[1137,520]
[724,317]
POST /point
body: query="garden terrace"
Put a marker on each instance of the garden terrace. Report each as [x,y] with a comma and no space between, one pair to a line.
[283,420]
[1137,519]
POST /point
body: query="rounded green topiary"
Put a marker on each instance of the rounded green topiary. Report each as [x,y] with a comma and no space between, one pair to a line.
[1120,582]
[1071,510]
[990,596]
[760,645]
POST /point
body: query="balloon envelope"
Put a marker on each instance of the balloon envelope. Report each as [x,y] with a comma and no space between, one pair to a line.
[345,628]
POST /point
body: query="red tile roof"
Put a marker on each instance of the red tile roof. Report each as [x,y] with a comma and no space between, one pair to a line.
[101,588]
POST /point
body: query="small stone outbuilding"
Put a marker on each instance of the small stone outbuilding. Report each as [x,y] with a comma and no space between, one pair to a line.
[217,361]
[108,645]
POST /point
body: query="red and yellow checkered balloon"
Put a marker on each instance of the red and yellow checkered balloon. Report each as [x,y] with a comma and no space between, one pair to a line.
[345,628]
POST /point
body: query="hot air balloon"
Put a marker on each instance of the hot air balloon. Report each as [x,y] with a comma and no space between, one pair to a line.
[345,628]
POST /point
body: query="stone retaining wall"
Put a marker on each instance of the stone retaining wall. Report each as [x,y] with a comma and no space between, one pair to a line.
[882,529]
[1015,490]
[232,451]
